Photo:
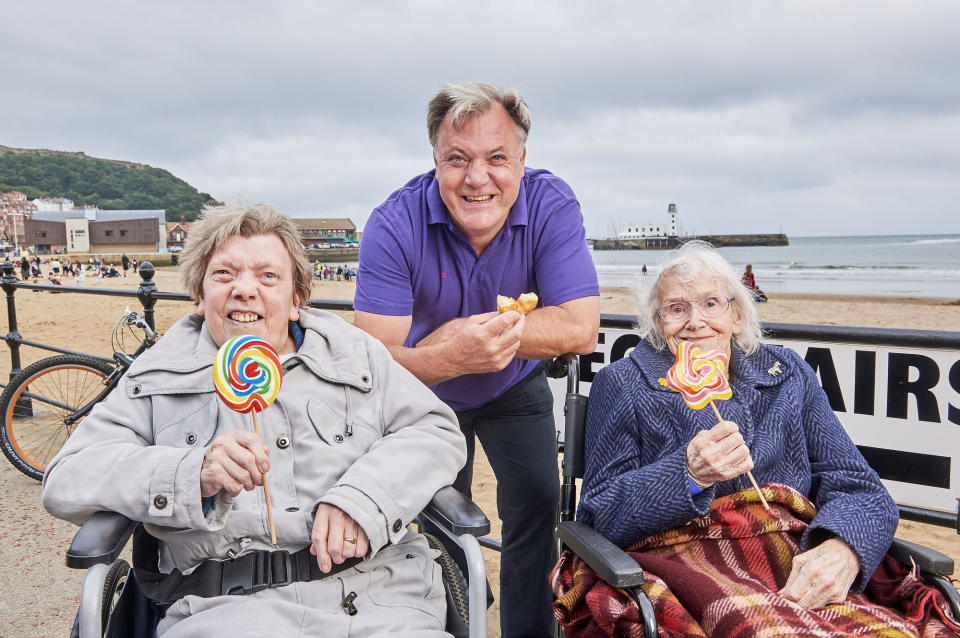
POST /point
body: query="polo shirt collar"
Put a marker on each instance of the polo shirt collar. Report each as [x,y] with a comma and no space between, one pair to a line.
[437,211]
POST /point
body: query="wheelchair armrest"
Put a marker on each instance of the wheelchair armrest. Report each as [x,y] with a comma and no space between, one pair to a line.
[457,513]
[929,560]
[559,366]
[611,563]
[99,540]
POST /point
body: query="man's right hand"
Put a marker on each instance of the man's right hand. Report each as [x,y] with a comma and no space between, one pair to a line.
[234,462]
[480,343]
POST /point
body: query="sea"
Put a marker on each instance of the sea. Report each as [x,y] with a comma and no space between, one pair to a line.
[883,265]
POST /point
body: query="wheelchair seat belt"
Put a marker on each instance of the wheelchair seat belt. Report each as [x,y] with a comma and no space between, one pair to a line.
[245,574]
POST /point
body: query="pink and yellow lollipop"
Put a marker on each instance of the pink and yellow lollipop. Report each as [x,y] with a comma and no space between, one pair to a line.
[247,374]
[700,377]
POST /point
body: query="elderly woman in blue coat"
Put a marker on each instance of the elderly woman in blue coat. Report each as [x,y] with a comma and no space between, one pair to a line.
[653,464]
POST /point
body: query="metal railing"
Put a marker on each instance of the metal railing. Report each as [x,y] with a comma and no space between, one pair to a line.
[148,295]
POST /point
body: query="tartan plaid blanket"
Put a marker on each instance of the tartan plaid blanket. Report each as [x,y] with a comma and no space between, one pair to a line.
[719,576]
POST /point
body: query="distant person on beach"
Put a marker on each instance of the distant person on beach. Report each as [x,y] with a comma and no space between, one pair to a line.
[653,464]
[643,271]
[750,284]
[433,258]
[353,448]
[24,268]
[125,263]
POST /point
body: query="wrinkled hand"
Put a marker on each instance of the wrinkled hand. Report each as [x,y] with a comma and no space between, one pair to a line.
[480,343]
[233,463]
[331,529]
[822,575]
[717,454]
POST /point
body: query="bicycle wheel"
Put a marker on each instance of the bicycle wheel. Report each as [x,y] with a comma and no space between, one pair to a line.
[36,403]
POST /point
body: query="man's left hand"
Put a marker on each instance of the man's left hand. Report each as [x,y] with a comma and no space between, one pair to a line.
[336,537]
[822,575]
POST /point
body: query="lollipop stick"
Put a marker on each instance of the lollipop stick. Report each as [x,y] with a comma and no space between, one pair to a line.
[266,489]
[753,481]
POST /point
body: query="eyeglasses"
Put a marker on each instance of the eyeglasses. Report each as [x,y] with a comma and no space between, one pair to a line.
[707,307]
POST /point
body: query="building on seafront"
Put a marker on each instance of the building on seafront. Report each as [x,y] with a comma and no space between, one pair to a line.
[15,209]
[75,230]
[652,230]
[326,232]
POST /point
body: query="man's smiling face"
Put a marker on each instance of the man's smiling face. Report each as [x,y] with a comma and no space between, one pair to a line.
[479,168]
[248,290]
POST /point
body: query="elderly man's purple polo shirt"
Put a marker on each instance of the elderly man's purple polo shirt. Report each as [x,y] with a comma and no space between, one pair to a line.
[414,261]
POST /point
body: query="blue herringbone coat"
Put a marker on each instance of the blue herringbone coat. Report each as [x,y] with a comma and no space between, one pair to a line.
[635,482]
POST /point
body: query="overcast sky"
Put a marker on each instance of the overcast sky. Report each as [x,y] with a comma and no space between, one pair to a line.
[810,117]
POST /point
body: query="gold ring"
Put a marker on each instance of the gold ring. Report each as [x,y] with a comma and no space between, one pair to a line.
[350,540]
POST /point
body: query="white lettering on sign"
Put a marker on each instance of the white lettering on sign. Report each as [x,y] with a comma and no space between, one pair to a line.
[901,406]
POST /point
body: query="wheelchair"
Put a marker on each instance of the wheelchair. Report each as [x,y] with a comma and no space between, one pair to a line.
[614,566]
[113,602]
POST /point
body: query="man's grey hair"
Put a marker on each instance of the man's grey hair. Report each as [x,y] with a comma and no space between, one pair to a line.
[694,263]
[471,99]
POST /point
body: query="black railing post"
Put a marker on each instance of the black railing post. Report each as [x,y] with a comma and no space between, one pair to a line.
[9,283]
[145,292]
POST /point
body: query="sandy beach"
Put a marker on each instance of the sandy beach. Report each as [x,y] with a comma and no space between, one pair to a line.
[39,595]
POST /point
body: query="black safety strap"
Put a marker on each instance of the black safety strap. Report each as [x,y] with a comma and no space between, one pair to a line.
[245,574]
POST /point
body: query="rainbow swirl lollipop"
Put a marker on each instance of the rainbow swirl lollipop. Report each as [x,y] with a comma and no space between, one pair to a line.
[700,377]
[247,374]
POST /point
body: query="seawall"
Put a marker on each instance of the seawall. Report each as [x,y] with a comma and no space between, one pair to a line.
[333,255]
[666,243]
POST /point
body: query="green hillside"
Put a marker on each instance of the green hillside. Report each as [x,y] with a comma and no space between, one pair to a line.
[108,184]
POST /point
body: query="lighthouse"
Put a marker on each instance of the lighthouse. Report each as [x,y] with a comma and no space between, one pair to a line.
[651,230]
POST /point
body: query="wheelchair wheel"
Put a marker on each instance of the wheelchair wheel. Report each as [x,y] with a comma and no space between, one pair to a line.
[112,588]
[36,403]
[453,577]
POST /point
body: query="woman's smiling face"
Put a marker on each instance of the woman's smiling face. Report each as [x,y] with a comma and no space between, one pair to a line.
[707,333]
[248,290]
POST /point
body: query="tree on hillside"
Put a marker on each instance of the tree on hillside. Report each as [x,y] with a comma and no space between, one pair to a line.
[111,185]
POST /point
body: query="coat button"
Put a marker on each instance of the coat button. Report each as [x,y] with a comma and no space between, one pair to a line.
[293,509]
[160,501]
[397,525]
[136,389]
[338,438]
[283,442]
[191,439]
[365,379]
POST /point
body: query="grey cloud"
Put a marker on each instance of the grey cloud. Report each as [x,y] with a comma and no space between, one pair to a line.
[742,112]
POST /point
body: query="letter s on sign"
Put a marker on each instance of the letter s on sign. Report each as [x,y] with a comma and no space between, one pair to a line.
[953,414]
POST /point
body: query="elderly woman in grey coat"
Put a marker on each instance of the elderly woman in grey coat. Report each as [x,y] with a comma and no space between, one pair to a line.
[352,448]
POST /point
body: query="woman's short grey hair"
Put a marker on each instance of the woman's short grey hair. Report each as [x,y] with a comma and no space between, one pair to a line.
[471,99]
[218,224]
[693,263]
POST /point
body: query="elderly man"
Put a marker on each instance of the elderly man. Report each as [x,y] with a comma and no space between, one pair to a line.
[433,259]
[353,448]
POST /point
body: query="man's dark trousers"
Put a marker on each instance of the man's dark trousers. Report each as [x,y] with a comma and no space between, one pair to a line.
[518,434]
